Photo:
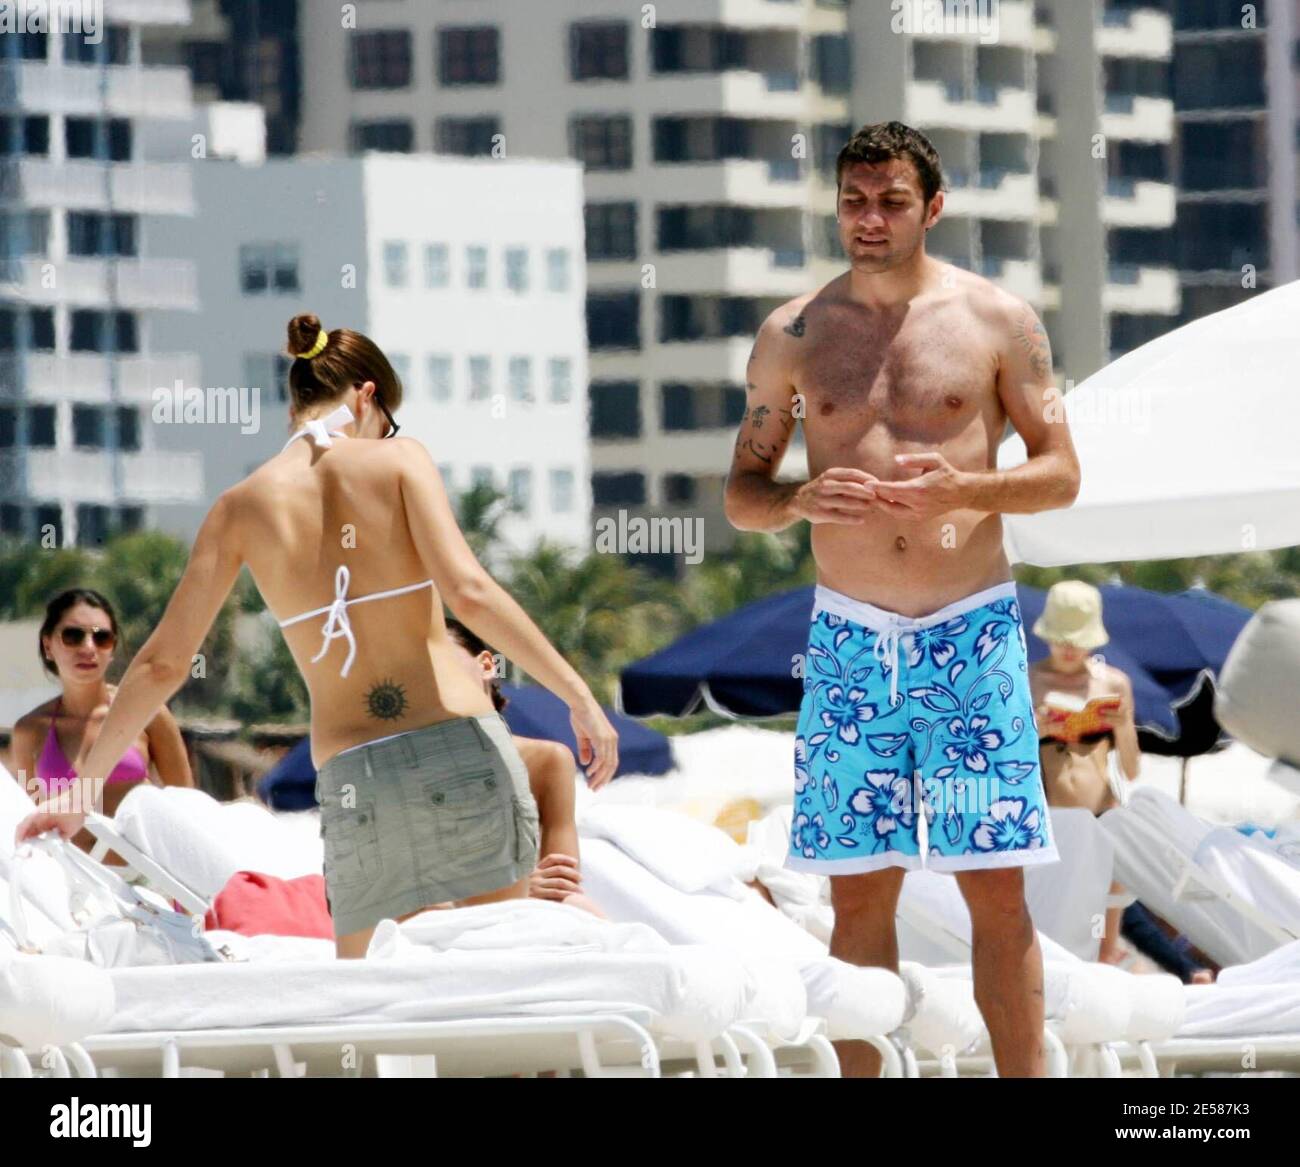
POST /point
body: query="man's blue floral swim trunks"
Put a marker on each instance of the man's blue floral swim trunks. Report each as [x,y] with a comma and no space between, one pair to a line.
[916,744]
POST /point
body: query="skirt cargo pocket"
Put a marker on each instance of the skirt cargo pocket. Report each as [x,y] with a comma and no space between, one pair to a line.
[352,846]
[527,832]
[470,816]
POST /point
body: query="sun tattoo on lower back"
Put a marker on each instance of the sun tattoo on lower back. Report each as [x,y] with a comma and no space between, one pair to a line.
[386,700]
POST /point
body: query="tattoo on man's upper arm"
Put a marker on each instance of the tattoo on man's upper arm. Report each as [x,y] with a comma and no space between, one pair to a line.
[764,445]
[1032,337]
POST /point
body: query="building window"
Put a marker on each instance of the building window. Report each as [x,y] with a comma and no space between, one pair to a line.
[466,137]
[516,261]
[87,427]
[480,476]
[614,320]
[25,135]
[24,233]
[128,428]
[8,426]
[520,490]
[469,56]
[395,265]
[615,409]
[112,47]
[401,363]
[92,524]
[267,373]
[381,60]
[40,426]
[602,143]
[521,378]
[395,136]
[624,489]
[437,265]
[679,489]
[92,233]
[480,378]
[8,329]
[560,375]
[40,329]
[687,407]
[476,267]
[598,51]
[828,141]
[610,230]
[561,490]
[50,517]
[268,267]
[92,331]
[11,519]
[96,138]
[440,377]
[831,62]
[557,269]
[130,518]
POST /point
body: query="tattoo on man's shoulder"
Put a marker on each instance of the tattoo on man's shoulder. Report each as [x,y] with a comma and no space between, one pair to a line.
[386,700]
[1032,337]
[797,326]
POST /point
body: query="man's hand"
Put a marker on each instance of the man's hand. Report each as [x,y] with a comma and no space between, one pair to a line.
[555,877]
[936,487]
[841,494]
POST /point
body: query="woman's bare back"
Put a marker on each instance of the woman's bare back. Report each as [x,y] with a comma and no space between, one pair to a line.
[298,519]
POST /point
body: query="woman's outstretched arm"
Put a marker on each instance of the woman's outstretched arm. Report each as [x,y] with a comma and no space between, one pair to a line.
[483,605]
[159,669]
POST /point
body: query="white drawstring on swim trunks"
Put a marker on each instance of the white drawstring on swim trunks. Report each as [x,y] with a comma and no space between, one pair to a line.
[888,640]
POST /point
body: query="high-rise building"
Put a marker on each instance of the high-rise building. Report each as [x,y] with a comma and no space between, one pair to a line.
[84,280]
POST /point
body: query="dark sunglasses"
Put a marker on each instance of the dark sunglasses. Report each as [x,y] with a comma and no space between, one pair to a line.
[393,427]
[73,636]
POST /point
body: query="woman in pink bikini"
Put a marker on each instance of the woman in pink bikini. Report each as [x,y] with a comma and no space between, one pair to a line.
[77,642]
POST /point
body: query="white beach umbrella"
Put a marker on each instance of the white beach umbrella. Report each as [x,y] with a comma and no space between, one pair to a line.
[1189,445]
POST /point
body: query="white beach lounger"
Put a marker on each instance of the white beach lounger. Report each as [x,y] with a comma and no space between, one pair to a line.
[1235,897]
[866,1004]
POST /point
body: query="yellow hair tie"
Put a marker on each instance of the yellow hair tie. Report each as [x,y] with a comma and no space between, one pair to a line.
[322,339]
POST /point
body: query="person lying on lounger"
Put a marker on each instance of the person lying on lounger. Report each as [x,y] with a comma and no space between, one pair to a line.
[557,875]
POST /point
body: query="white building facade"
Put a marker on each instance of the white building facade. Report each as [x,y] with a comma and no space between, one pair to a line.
[467,273]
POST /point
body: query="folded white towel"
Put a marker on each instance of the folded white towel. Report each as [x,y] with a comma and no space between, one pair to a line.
[683,852]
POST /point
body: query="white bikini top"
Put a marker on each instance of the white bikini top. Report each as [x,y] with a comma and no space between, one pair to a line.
[336,624]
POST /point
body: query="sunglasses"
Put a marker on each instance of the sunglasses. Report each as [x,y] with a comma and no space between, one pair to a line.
[393,427]
[74,637]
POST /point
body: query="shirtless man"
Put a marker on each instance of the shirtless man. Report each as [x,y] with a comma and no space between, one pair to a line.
[916,744]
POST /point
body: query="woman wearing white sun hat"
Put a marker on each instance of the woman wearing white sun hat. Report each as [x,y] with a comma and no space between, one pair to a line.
[1075,757]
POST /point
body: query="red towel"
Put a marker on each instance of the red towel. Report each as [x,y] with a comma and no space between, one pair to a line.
[254,904]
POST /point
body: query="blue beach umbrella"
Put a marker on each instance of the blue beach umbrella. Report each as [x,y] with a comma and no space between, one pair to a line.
[532,712]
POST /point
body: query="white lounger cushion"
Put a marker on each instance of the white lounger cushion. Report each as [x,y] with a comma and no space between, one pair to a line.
[203,842]
[1242,1011]
[1254,868]
[694,993]
[683,852]
[773,989]
[1151,871]
[51,1000]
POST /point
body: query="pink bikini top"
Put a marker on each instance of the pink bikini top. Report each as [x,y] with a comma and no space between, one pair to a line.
[53,765]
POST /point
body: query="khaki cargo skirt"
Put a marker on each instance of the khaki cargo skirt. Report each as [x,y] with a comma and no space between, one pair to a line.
[440,813]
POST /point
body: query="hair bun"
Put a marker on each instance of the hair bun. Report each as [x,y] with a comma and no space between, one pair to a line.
[303,331]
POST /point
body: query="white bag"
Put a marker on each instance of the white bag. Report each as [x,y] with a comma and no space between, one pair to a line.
[118,926]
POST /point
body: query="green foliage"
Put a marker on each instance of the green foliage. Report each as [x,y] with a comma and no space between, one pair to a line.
[268,686]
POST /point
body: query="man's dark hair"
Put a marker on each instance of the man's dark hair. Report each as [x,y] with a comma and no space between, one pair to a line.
[885,140]
[473,644]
